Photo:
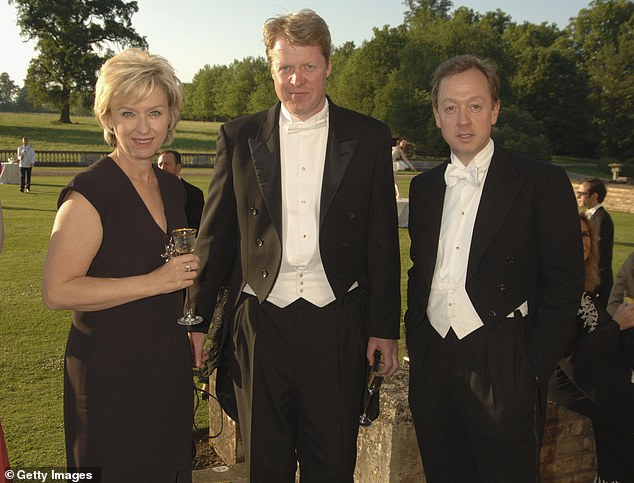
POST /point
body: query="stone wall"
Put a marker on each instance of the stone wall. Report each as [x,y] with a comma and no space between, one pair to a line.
[227,442]
[620,198]
[568,451]
[388,451]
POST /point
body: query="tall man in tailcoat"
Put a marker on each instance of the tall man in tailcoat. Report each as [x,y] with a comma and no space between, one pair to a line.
[493,292]
[301,211]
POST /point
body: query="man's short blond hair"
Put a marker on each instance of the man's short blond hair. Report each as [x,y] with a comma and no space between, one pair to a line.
[303,28]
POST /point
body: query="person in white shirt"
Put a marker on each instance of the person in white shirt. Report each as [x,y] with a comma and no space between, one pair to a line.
[26,157]
[301,212]
[493,291]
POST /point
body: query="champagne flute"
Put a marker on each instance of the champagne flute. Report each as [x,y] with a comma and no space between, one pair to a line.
[184,239]
[374,383]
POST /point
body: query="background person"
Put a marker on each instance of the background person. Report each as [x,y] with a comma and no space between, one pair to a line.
[128,379]
[493,290]
[26,158]
[399,155]
[590,196]
[301,210]
[595,378]
[624,280]
[170,161]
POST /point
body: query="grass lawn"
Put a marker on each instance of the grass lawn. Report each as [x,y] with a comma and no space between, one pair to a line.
[84,134]
[33,338]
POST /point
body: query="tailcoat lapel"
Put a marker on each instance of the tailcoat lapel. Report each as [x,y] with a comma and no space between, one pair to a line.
[338,157]
[266,163]
[431,204]
[502,185]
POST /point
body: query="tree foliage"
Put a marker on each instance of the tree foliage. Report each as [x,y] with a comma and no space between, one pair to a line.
[8,91]
[603,38]
[564,91]
[73,37]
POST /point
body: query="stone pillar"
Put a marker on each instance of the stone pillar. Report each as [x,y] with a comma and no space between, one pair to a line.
[388,450]
[228,444]
[616,170]
[568,452]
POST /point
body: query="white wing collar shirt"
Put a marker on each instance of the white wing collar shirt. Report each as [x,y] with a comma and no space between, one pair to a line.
[449,305]
[303,155]
[589,213]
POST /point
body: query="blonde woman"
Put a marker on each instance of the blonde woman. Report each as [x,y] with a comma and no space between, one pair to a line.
[128,379]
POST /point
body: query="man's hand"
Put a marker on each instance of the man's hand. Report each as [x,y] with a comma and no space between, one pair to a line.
[389,349]
[196,341]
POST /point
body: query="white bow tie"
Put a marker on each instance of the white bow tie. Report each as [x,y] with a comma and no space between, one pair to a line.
[299,126]
[453,174]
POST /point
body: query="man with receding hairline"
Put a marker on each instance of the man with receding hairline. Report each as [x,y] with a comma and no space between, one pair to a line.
[493,292]
[301,210]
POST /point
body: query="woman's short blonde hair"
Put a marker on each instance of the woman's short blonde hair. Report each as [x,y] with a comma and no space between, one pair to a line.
[133,74]
[303,28]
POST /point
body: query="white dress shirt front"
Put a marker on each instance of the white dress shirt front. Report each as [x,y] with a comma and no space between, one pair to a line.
[303,155]
[449,305]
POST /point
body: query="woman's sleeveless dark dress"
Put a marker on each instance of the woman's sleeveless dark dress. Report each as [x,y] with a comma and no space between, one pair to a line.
[128,378]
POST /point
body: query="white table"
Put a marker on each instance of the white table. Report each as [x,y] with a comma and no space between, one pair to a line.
[10,173]
[402,206]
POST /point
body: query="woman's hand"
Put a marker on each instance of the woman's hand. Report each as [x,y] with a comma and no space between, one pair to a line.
[176,274]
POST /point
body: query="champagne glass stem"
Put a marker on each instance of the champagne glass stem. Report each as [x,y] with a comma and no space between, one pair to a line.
[188,307]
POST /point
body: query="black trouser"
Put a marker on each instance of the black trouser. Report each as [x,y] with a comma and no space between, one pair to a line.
[25,178]
[615,452]
[477,408]
[299,375]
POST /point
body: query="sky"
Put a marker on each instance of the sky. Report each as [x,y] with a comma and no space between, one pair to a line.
[194,33]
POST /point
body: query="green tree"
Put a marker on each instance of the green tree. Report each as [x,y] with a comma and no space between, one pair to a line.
[603,40]
[548,84]
[419,12]
[432,37]
[72,41]
[238,84]
[521,133]
[263,95]
[201,94]
[365,71]
[8,91]
[22,104]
